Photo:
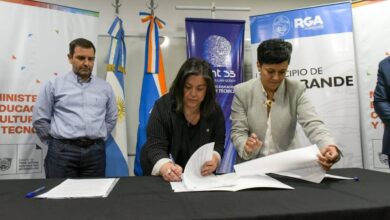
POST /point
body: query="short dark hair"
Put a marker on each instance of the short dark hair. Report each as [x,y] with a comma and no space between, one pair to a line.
[274,51]
[81,42]
[196,67]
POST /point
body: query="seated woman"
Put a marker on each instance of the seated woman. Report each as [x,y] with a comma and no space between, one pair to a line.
[182,121]
[265,111]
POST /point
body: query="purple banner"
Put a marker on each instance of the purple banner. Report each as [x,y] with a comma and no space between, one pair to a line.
[221,43]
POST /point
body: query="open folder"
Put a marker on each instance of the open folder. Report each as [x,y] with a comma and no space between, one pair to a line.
[300,163]
[81,188]
[194,181]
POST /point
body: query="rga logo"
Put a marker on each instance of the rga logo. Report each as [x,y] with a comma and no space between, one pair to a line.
[217,50]
[281,25]
[5,163]
[309,23]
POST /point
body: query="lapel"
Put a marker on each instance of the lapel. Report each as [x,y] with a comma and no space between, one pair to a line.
[278,107]
[258,110]
[177,127]
[205,130]
[175,132]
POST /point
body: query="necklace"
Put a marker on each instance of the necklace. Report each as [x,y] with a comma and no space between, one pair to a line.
[268,102]
[270,99]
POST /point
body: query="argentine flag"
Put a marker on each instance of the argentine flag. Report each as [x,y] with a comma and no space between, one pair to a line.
[153,85]
[116,144]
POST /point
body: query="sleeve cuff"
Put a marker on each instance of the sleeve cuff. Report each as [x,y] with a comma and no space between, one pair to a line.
[248,156]
[158,165]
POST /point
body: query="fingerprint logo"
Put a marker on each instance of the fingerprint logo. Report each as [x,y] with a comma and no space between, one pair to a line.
[281,25]
[217,51]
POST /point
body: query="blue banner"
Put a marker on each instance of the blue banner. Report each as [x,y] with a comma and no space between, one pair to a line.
[301,23]
[221,43]
[323,59]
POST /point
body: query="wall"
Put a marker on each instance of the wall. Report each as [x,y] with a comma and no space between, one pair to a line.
[174,54]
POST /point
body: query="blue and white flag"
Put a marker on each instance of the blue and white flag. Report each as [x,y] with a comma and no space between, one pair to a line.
[153,85]
[116,144]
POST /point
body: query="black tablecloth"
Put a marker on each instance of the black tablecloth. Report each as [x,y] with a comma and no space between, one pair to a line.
[152,198]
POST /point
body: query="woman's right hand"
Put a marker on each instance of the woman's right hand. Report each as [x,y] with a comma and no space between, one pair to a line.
[252,143]
[171,172]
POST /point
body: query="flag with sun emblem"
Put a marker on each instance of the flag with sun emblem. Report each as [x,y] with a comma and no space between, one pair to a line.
[116,144]
[153,85]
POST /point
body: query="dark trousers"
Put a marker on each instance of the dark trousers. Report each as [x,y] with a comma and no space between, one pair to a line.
[66,160]
[388,160]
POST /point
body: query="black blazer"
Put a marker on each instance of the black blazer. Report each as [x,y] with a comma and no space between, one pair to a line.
[165,133]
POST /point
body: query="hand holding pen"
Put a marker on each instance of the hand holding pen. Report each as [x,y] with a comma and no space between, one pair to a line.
[252,143]
[171,171]
[328,156]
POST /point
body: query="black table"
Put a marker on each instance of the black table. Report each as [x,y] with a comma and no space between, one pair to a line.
[152,198]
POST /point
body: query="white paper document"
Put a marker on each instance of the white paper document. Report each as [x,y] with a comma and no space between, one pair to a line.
[81,188]
[194,181]
[207,184]
[246,182]
[192,177]
[299,163]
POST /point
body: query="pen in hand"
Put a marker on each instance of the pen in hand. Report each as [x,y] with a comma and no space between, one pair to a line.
[173,161]
[175,168]
[35,192]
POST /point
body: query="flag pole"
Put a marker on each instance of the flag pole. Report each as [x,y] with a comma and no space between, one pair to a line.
[213,8]
[152,6]
[116,5]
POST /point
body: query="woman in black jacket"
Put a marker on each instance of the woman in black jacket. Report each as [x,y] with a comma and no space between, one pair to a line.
[182,121]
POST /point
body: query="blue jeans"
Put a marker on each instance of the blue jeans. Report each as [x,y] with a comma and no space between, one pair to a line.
[64,160]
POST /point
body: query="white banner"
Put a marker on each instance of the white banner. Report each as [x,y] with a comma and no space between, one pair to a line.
[323,59]
[372,34]
[34,45]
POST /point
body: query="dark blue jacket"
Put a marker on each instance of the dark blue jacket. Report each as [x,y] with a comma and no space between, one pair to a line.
[382,101]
